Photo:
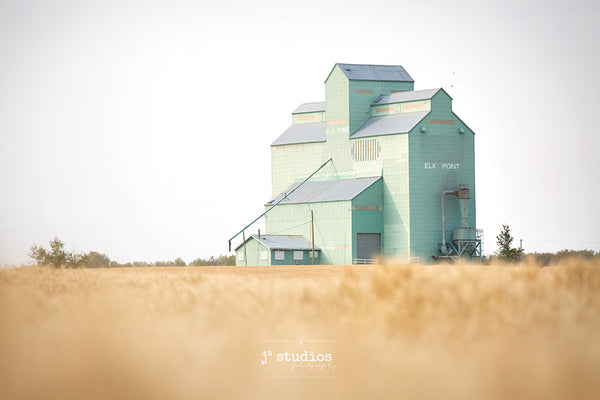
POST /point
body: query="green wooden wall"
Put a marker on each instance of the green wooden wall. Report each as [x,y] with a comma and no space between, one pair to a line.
[333,227]
[253,255]
[363,93]
[367,213]
[440,159]
[336,223]
[253,250]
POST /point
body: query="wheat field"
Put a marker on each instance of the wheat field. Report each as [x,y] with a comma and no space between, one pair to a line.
[390,331]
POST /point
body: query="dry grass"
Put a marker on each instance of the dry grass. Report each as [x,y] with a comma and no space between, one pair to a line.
[394,331]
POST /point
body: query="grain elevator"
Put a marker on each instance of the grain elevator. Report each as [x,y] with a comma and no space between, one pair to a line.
[377,170]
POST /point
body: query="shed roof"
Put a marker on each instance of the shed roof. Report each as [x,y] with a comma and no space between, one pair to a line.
[322,191]
[366,72]
[282,242]
[401,97]
[310,107]
[285,242]
[302,133]
[389,124]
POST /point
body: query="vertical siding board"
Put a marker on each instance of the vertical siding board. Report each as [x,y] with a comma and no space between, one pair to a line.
[441,144]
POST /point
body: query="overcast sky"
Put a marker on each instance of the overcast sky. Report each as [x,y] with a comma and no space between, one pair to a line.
[142,129]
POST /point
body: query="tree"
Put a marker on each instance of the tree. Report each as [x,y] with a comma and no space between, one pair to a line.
[179,262]
[39,255]
[554,258]
[56,256]
[93,259]
[220,261]
[504,241]
[225,260]
[76,260]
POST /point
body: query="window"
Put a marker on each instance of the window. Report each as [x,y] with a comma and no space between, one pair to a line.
[298,255]
[316,254]
[279,255]
[264,255]
[240,256]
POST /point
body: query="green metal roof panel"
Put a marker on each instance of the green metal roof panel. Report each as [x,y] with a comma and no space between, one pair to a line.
[302,133]
[322,191]
[363,72]
[310,107]
[401,97]
[389,124]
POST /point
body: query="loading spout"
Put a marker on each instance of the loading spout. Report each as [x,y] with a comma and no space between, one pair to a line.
[279,201]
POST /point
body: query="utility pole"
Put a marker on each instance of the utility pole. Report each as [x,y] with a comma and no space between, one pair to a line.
[312,235]
[244,239]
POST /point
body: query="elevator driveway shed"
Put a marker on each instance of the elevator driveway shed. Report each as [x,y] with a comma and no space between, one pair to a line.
[276,250]
[342,211]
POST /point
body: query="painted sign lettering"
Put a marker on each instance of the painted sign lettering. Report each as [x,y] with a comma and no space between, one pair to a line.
[449,166]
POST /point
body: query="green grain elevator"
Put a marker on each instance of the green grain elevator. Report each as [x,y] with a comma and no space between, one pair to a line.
[382,159]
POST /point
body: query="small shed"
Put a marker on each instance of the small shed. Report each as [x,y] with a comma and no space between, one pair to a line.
[276,250]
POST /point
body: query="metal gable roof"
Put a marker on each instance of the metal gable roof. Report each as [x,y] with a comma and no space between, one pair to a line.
[322,191]
[389,124]
[364,72]
[401,97]
[282,242]
[310,107]
[285,242]
[302,133]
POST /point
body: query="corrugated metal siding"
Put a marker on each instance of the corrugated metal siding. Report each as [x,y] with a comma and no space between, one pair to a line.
[389,124]
[362,72]
[310,107]
[321,191]
[400,97]
[302,133]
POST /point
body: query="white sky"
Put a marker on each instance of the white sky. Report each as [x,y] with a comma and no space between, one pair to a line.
[142,129]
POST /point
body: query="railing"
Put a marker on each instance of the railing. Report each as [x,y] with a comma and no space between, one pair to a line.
[455,249]
[363,261]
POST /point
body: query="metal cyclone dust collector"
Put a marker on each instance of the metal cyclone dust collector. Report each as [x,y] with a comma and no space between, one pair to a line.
[464,240]
[464,232]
